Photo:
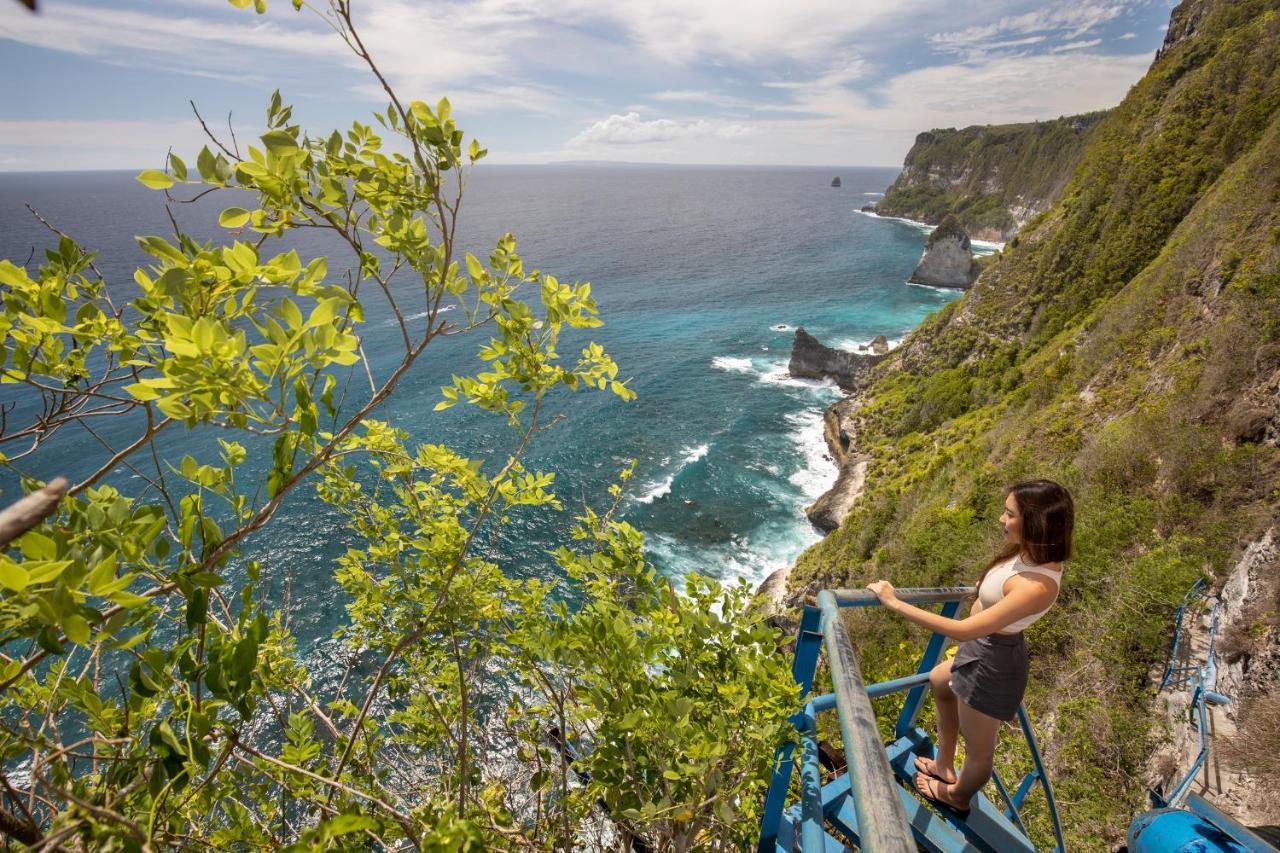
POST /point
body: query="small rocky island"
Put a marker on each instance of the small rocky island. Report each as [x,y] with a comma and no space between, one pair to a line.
[810,359]
[835,182]
[947,260]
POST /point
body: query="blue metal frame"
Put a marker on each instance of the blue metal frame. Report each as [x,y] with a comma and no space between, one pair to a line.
[1197,589]
[860,803]
[1202,679]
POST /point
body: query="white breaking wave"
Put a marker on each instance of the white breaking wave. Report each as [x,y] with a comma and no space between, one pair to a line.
[782,327]
[391,321]
[873,193]
[819,472]
[661,488]
[979,247]
[864,347]
[733,365]
[775,372]
[934,288]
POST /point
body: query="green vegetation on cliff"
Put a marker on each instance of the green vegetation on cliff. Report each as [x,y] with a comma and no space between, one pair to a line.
[991,177]
[1127,347]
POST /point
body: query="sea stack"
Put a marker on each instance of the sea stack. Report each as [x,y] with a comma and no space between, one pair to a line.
[811,360]
[947,260]
[835,182]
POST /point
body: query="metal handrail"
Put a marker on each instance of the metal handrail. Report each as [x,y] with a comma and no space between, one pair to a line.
[1197,589]
[882,822]
[1203,682]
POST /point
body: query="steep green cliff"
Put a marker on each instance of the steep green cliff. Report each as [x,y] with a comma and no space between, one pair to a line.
[992,177]
[1129,347]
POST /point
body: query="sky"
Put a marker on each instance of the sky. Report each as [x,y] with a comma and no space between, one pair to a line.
[106,84]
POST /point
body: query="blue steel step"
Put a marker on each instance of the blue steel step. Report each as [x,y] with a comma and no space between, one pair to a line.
[931,832]
[789,837]
[986,829]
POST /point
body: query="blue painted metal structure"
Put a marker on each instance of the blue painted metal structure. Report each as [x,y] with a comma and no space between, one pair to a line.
[1183,822]
[872,804]
[1201,678]
[1197,828]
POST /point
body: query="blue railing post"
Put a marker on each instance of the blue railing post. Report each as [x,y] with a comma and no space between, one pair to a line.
[811,821]
[932,654]
[803,669]
[1044,779]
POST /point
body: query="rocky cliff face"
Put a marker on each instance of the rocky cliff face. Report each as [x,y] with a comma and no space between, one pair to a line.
[993,178]
[811,360]
[947,260]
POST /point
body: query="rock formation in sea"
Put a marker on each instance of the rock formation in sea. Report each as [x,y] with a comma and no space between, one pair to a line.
[835,182]
[810,359]
[947,260]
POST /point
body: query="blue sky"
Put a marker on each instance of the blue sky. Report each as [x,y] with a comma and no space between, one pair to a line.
[99,85]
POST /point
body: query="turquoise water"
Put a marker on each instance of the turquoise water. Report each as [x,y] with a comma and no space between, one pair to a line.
[702,276]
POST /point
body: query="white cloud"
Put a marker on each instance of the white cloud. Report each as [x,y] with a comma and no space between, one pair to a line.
[1128,36]
[1077,45]
[841,125]
[701,96]
[630,129]
[1067,21]
[756,31]
[64,144]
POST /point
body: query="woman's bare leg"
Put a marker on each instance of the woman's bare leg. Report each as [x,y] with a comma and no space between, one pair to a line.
[948,721]
[980,734]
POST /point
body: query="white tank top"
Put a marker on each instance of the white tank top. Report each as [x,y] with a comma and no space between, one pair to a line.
[992,589]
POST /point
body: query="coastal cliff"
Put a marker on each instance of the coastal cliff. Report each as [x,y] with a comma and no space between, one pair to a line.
[1128,346]
[992,178]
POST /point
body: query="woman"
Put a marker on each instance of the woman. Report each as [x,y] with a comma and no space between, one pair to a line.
[983,684]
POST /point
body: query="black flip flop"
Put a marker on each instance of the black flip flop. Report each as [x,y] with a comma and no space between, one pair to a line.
[963,814]
[920,769]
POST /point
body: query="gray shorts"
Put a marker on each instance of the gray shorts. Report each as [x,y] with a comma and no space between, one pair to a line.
[989,674]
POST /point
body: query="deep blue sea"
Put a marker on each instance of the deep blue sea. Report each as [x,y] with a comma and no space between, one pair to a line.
[702,276]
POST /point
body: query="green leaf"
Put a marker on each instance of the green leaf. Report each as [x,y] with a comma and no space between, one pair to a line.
[233,217]
[279,142]
[207,165]
[155,179]
[76,629]
[13,576]
[179,168]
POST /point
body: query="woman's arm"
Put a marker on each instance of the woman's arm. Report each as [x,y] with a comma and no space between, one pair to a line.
[1023,596]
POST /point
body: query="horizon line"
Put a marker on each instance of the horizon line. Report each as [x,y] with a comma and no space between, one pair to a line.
[597,163]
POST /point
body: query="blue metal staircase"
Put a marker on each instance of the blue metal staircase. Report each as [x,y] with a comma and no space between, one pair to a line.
[873,804]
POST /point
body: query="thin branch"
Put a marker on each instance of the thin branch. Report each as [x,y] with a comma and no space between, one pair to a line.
[209,133]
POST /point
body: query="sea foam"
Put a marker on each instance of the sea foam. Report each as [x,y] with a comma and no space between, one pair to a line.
[662,488]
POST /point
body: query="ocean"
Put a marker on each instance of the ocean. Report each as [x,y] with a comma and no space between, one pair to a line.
[702,276]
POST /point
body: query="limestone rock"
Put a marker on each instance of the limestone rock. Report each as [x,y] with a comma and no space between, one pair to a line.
[947,260]
[828,511]
[811,360]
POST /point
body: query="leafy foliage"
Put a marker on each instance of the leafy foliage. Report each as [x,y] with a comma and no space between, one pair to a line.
[153,693]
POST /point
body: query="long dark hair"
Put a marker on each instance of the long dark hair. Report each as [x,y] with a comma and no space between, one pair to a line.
[1048,519]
